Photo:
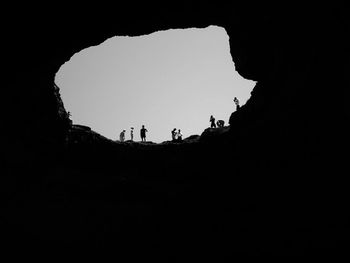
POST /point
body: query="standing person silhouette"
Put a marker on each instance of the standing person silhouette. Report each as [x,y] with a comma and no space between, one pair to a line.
[173,134]
[122,136]
[212,120]
[132,133]
[236,101]
[179,135]
[143,133]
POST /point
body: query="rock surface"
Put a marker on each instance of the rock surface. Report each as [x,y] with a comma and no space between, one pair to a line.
[275,183]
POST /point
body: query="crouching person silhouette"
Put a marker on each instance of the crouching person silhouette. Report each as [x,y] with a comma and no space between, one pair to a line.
[220,123]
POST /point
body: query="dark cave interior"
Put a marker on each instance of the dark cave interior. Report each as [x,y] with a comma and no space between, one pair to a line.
[274,184]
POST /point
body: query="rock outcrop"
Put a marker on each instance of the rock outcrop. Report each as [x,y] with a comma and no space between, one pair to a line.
[275,183]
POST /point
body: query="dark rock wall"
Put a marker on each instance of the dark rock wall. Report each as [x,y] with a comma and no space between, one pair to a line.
[275,184]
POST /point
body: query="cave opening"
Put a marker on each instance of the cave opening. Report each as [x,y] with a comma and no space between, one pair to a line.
[168,79]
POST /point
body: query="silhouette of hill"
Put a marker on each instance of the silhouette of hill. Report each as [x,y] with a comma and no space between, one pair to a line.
[273,183]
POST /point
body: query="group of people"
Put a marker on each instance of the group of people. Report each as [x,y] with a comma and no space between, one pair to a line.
[176,135]
[142,134]
[213,124]
[221,123]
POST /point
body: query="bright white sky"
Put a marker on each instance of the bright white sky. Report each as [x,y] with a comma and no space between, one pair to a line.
[165,80]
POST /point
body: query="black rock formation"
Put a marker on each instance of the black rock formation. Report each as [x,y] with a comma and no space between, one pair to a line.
[274,184]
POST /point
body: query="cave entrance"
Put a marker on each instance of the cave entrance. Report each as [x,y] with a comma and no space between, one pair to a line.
[168,79]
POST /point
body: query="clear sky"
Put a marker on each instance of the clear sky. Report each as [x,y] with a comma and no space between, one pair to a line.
[168,79]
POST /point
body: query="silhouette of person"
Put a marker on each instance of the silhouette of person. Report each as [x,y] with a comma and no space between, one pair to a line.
[179,136]
[236,101]
[132,133]
[173,134]
[212,120]
[143,133]
[122,136]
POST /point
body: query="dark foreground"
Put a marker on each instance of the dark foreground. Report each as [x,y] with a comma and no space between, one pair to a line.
[276,183]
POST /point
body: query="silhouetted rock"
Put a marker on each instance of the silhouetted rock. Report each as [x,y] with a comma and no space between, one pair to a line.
[192,138]
[273,183]
[210,133]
